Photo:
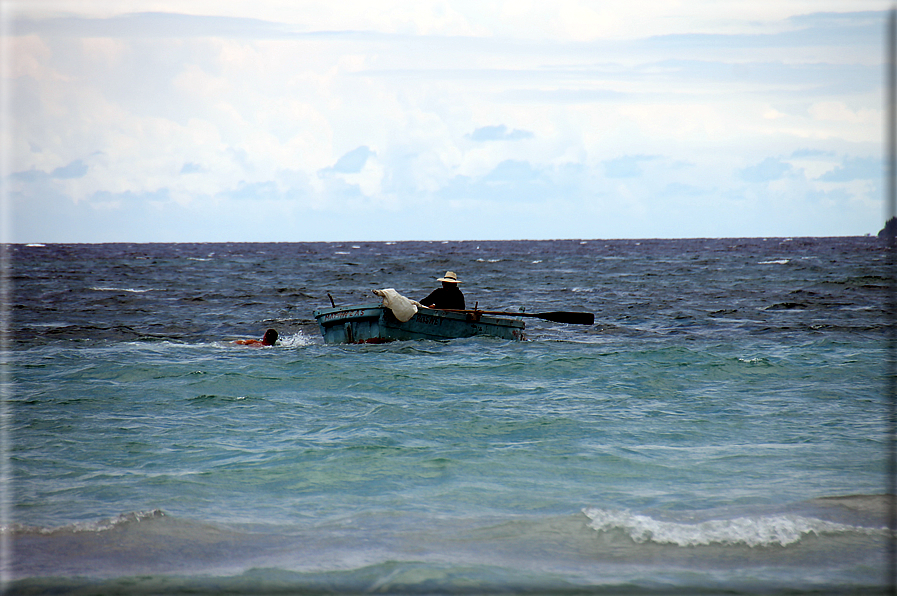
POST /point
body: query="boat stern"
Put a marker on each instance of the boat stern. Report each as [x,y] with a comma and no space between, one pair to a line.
[349,325]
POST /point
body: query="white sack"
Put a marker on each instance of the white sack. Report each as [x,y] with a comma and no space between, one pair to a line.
[402,308]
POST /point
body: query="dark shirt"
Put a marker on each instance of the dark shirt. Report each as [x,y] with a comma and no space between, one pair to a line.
[450,298]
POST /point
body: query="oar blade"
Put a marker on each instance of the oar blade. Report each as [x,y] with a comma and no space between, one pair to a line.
[573,318]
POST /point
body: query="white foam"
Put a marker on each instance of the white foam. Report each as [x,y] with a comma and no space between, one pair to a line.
[124,518]
[769,530]
[100,525]
[775,262]
[297,339]
[105,289]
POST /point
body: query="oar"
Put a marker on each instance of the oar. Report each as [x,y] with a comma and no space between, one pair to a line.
[575,318]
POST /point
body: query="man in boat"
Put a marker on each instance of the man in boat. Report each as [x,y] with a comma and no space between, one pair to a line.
[448,297]
[269,339]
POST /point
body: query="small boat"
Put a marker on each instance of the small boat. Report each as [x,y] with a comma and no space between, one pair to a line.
[375,323]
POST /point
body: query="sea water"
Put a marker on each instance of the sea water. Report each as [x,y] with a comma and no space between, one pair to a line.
[720,428]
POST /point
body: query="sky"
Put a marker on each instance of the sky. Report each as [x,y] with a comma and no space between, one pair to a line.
[289,120]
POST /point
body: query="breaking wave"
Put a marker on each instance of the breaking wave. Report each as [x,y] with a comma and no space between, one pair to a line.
[761,531]
[101,525]
[126,290]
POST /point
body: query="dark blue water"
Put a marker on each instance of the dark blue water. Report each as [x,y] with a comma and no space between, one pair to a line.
[720,428]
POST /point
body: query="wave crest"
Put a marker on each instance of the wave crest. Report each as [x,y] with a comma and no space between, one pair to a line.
[767,530]
[101,525]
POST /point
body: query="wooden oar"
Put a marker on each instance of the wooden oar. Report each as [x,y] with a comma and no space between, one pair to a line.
[575,318]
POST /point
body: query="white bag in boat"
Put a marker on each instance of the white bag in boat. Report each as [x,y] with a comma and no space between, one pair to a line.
[402,308]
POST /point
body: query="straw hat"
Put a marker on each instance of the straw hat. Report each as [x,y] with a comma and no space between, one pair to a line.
[449,277]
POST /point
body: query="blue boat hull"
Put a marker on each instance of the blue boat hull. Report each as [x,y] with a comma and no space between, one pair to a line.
[372,323]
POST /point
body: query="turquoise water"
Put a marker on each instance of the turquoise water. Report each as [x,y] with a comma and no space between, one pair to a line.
[719,429]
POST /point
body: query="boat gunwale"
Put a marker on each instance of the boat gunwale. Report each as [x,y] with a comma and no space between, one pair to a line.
[374,310]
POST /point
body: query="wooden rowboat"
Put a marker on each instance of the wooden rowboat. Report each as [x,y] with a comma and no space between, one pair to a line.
[374,323]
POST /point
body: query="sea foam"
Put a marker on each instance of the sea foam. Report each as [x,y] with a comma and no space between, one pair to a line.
[767,530]
[100,525]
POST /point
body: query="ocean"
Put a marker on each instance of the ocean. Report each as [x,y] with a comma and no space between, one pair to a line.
[720,429]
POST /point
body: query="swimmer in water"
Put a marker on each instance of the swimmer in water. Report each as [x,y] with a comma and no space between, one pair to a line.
[269,339]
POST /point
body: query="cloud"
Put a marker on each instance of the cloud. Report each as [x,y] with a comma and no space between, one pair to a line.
[499,133]
[352,162]
[152,25]
[253,191]
[159,196]
[769,169]
[568,95]
[809,153]
[236,118]
[512,171]
[513,182]
[850,29]
[626,166]
[76,169]
[837,29]
[30,176]
[856,168]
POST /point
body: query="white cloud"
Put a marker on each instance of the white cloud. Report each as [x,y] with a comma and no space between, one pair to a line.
[499,132]
[837,111]
[307,110]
